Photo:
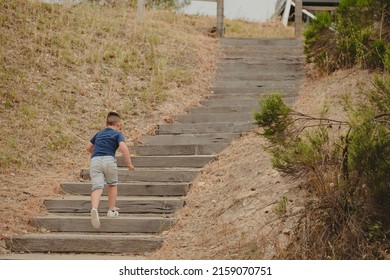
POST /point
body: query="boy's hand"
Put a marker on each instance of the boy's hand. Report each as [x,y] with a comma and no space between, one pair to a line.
[130,166]
[126,154]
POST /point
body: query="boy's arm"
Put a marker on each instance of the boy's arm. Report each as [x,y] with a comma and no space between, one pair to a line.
[126,154]
[89,147]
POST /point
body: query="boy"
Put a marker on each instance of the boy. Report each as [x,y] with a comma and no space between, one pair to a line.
[103,167]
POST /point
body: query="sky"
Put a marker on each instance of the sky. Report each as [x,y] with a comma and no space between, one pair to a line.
[253,10]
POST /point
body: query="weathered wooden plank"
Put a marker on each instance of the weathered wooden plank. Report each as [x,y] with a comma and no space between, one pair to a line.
[217,117]
[259,42]
[247,96]
[277,52]
[121,224]
[135,188]
[277,78]
[168,150]
[128,205]
[243,90]
[230,127]
[84,243]
[152,175]
[261,68]
[47,255]
[239,62]
[189,139]
[267,85]
[221,109]
[231,103]
[253,103]
[167,161]
[255,88]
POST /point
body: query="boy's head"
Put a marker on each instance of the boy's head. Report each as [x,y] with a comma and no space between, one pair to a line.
[113,119]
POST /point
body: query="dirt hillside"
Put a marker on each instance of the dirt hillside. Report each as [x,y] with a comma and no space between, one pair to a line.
[235,206]
[55,92]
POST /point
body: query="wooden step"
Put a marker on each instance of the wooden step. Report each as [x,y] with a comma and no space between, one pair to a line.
[260,67]
[253,103]
[121,224]
[190,139]
[167,161]
[260,77]
[61,256]
[267,69]
[289,85]
[253,89]
[282,60]
[152,174]
[229,127]
[216,117]
[248,95]
[222,109]
[84,243]
[131,189]
[279,55]
[259,43]
[128,205]
[169,150]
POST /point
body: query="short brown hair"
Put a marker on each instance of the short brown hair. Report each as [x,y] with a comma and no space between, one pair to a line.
[113,118]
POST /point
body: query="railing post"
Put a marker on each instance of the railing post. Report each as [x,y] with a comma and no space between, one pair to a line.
[298,19]
[140,9]
[220,16]
[286,12]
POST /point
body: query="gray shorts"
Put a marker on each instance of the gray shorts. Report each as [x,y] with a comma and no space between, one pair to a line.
[103,169]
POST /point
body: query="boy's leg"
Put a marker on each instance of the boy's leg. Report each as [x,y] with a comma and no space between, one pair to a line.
[112,195]
[111,176]
[97,178]
[95,198]
[96,173]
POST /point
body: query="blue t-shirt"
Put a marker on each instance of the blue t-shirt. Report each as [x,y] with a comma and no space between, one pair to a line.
[106,142]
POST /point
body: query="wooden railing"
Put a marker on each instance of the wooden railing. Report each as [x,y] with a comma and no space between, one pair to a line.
[220,14]
[302,11]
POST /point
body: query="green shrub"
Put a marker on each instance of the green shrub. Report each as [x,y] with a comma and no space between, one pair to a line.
[273,117]
[358,36]
[386,60]
[319,43]
[295,150]
[350,177]
[369,141]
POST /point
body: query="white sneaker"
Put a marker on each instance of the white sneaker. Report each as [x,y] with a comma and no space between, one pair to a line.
[113,213]
[95,218]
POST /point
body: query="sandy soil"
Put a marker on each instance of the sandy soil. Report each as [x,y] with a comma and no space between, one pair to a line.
[234,208]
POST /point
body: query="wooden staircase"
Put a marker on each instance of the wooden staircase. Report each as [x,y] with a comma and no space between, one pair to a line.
[168,162]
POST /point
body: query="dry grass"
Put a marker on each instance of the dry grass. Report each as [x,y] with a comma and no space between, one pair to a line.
[338,224]
[62,68]
[235,27]
[275,29]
